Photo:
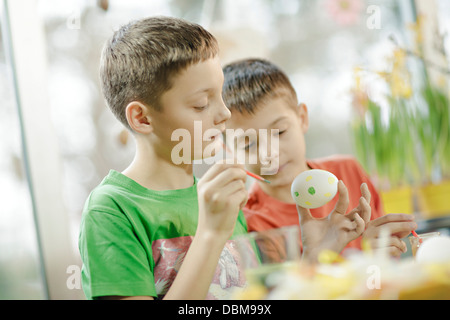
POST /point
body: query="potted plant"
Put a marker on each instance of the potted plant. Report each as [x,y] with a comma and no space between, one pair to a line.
[383,139]
[409,147]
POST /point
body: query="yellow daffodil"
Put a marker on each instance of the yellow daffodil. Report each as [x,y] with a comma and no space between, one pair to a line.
[417,28]
[360,98]
[399,79]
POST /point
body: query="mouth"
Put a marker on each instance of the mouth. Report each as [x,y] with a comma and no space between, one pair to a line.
[275,171]
[282,167]
[217,136]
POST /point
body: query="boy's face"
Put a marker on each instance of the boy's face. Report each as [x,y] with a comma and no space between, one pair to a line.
[193,106]
[287,159]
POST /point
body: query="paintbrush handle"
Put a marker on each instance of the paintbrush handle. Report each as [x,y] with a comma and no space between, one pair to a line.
[227,150]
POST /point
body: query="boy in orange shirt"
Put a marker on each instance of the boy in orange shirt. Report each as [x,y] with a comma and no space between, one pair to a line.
[260,96]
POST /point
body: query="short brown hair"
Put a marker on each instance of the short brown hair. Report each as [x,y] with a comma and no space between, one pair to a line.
[140,60]
[248,82]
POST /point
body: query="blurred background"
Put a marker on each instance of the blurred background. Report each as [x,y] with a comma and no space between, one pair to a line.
[373,73]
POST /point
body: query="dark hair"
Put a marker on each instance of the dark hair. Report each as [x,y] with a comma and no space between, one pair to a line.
[140,60]
[248,82]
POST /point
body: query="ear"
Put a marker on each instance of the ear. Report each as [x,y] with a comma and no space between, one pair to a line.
[138,117]
[302,113]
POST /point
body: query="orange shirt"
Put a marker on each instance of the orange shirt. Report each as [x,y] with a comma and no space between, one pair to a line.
[265,212]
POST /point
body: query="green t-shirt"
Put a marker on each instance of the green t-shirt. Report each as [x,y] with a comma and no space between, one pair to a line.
[133,240]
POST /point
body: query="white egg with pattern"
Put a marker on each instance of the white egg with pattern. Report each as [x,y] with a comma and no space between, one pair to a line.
[314,188]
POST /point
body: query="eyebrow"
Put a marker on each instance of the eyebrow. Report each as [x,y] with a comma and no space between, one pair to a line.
[206,90]
[198,92]
[194,97]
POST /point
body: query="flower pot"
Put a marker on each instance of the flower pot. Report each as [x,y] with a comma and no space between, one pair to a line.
[434,199]
[398,200]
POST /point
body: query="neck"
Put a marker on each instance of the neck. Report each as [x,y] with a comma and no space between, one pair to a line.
[157,171]
[281,193]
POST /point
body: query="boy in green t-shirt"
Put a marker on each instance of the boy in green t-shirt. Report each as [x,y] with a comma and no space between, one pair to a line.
[154,231]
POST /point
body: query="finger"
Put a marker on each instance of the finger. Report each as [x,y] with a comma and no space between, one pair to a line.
[395,252]
[395,246]
[352,223]
[240,196]
[400,228]
[358,228]
[219,167]
[365,192]
[342,203]
[353,228]
[360,225]
[398,243]
[232,187]
[402,234]
[365,210]
[391,241]
[347,224]
[228,175]
[233,192]
[392,217]
[243,202]
[304,214]
[391,251]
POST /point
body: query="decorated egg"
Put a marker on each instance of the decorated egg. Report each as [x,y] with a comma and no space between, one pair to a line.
[434,250]
[314,188]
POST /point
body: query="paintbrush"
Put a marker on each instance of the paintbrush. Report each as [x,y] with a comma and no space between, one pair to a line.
[417,236]
[251,174]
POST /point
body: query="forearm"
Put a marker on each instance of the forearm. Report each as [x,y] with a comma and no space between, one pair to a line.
[197,271]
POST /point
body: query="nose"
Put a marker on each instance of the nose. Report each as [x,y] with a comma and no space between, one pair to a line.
[222,114]
[269,150]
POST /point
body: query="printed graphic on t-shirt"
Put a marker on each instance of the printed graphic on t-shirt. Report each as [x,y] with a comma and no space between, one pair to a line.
[169,254]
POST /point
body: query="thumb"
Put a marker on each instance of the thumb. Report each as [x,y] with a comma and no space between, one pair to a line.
[304,214]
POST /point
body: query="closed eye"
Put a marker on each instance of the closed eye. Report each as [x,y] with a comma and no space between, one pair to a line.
[201,108]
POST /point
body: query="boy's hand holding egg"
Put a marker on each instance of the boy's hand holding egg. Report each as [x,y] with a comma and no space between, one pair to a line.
[314,188]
